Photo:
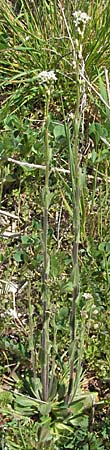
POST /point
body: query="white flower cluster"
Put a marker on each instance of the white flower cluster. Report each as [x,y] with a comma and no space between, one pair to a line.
[87,296]
[47,77]
[80,18]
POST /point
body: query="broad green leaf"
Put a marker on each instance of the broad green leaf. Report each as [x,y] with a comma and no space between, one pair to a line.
[94,155]
[68,287]
[45,409]
[18,256]
[63,313]
[26,240]
[108,247]
[61,391]
[92,128]
[59,131]
[55,265]
[101,247]
[53,389]
[25,401]
[62,427]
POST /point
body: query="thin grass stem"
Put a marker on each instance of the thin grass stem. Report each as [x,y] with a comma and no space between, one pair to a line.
[46,294]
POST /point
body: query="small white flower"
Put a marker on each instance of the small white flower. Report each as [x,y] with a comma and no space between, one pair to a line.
[2,315]
[95,311]
[84,314]
[46,77]
[27,38]
[80,18]
[96,326]
[70,118]
[12,313]
[87,296]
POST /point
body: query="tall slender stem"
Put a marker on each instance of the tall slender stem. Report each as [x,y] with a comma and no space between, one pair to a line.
[76,223]
[45,296]
[31,334]
[80,19]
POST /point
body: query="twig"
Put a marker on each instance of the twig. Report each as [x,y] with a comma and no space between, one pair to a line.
[33,166]
[105,141]
[9,234]
[6,213]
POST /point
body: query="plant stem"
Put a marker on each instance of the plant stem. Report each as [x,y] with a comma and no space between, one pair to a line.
[75,177]
[31,337]
[45,331]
